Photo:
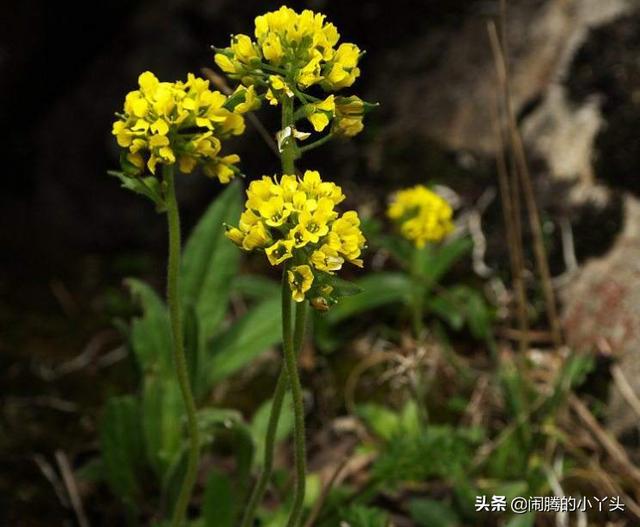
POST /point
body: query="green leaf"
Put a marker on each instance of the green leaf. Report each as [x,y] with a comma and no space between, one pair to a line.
[260,423]
[461,304]
[385,423]
[162,421]
[210,262]
[448,309]
[214,422]
[440,259]
[255,287]
[431,513]
[218,501]
[399,248]
[150,334]
[148,187]
[251,335]
[378,289]
[361,516]
[342,288]
[122,445]
[522,520]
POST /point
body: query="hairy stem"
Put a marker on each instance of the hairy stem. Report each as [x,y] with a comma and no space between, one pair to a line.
[179,358]
[291,368]
[272,427]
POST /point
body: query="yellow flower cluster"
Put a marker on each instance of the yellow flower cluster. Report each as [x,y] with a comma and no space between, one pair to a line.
[422,214]
[298,46]
[292,52]
[294,220]
[181,122]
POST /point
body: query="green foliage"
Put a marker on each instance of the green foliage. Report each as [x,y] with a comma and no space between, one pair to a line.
[162,422]
[149,187]
[246,339]
[147,433]
[416,286]
[361,516]
[122,445]
[260,422]
[218,501]
[210,262]
[431,513]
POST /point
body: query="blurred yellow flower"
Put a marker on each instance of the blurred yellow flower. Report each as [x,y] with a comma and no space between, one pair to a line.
[422,214]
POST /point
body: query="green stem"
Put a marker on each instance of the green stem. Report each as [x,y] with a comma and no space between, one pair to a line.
[288,153]
[291,369]
[317,143]
[272,427]
[179,358]
[418,292]
[292,347]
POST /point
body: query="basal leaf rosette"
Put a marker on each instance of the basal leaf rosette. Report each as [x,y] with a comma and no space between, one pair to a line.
[180,123]
[294,222]
[422,215]
[292,53]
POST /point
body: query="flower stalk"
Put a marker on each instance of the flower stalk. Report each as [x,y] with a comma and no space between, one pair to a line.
[291,368]
[180,361]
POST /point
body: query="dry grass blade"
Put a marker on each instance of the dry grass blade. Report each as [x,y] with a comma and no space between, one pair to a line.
[627,392]
[72,488]
[517,147]
[515,258]
[613,448]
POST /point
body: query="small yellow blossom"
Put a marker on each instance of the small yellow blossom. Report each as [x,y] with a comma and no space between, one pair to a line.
[279,252]
[300,280]
[180,122]
[294,220]
[321,112]
[349,112]
[423,216]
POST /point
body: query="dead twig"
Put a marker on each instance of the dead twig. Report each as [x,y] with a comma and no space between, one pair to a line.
[625,389]
[499,51]
[72,488]
[51,476]
[514,237]
[611,446]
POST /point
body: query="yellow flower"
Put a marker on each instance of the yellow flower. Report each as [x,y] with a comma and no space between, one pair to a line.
[302,42]
[300,280]
[279,251]
[225,63]
[257,237]
[316,188]
[423,216]
[243,49]
[327,259]
[274,212]
[294,218]
[343,71]
[235,235]
[349,114]
[321,112]
[347,238]
[156,115]
[314,225]
[250,100]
